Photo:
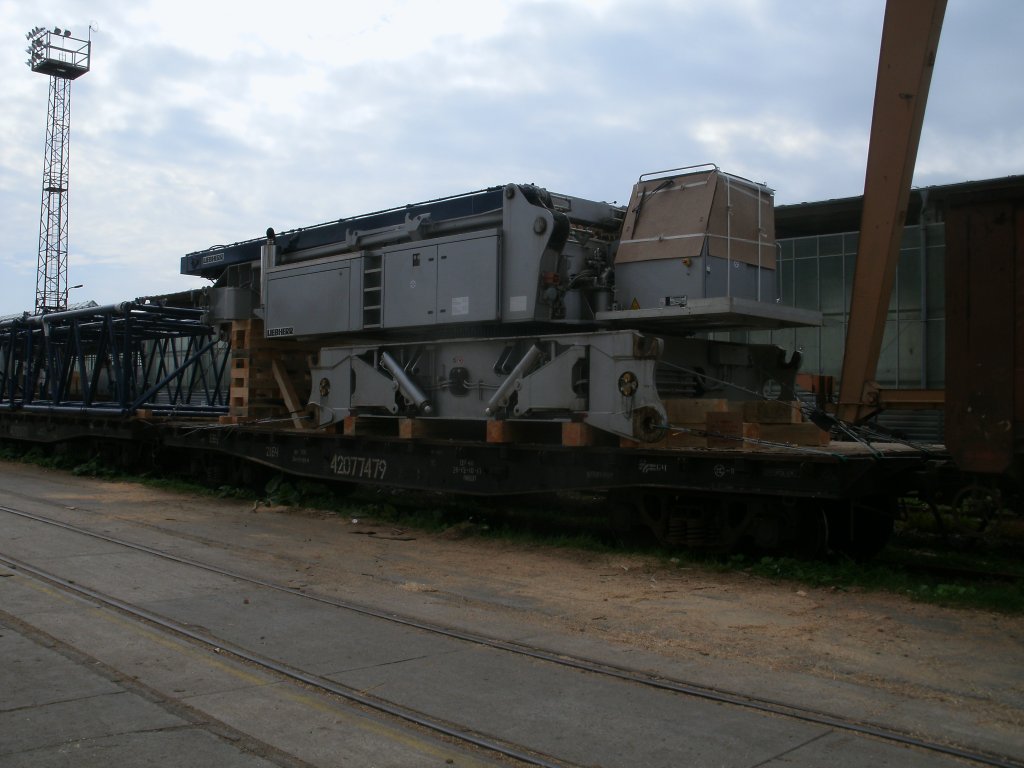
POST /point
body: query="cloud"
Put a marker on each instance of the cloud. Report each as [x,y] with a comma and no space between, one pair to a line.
[200,124]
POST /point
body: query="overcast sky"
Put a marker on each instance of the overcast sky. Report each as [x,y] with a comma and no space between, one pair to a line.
[206,122]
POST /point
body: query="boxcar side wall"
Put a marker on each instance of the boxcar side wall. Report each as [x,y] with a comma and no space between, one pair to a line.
[985,332]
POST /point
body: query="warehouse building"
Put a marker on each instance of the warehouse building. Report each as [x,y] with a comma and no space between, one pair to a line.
[818,248]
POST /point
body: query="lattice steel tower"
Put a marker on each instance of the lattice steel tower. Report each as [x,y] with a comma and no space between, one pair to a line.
[64,58]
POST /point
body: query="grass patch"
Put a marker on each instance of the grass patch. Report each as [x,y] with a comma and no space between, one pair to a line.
[922,564]
[529,522]
[892,573]
[177,485]
[81,462]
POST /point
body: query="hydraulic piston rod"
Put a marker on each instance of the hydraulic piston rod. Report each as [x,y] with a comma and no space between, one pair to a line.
[500,397]
[406,385]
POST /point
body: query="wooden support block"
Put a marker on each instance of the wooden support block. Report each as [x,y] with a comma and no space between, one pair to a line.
[240,394]
[296,408]
[685,436]
[806,434]
[440,429]
[724,430]
[244,332]
[692,410]
[265,410]
[409,429]
[267,395]
[577,434]
[501,431]
[772,412]
[356,426]
[361,426]
[671,441]
[253,379]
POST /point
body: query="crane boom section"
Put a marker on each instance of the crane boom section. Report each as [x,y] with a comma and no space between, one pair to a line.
[910,38]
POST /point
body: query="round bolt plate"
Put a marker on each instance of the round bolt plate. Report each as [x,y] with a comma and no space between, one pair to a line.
[628,384]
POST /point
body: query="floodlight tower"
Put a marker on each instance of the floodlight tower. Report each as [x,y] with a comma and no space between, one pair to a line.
[64,58]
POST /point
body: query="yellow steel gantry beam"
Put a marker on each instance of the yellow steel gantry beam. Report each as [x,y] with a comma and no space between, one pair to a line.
[910,37]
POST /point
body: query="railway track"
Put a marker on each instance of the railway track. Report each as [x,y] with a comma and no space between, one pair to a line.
[219,646]
[524,755]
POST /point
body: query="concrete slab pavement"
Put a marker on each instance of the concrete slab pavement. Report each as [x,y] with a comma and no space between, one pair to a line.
[59,712]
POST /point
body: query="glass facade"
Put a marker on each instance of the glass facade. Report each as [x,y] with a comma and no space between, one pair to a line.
[816,272]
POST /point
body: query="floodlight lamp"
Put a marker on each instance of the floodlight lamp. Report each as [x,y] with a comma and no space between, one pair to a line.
[67,33]
[56,30]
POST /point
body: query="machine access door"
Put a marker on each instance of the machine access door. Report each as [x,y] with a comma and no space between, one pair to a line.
[309,300]
[452,280]
[410,287]
[467,280]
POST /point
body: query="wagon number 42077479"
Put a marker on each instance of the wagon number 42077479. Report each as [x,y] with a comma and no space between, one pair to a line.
[359,467]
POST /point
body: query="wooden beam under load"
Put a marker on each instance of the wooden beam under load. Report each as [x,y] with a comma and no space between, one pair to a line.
[292,402]
[910,39]
[912,399]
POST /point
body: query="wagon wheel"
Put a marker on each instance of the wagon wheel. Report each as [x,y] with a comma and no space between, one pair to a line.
[909,505]
[975,507]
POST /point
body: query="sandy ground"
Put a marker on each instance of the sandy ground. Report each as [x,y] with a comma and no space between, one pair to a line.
[878,641]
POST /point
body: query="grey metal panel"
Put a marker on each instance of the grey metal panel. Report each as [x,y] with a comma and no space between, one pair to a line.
[647,284]
[526,229]
[717,312]
[666,282]
[410,287]
[232,303]
[467,280]
[308,300]
[740,280]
